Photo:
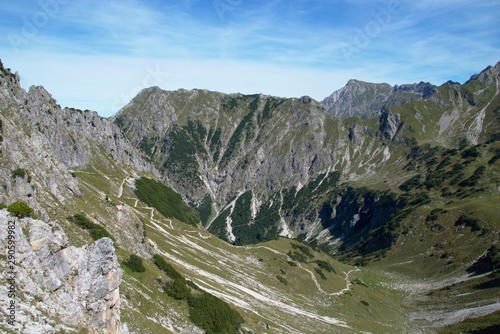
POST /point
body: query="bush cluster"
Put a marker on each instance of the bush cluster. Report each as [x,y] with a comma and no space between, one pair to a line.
[282,279]
[96,231]
[21,172]
[468,221]
[20,209]
[135,264]
[325,265]
[205,310]
[160,262]
[165,200]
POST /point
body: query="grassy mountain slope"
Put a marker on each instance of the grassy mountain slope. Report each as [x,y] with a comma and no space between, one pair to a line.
[413,191]
[273,292]
[407,203]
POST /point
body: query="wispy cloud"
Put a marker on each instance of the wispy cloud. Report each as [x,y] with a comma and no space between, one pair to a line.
[103,50]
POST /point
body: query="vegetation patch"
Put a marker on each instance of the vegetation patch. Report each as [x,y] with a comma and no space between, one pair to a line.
[213,314]
[205,310]
[177,289]
[205,209]
[218,226]
[21,172]
[325,265]
[304,249]
[282,279]
[412,183]
[96,231]
[165,200]
[296,256]
[185,142]
[160,262]
[20,209]
[320,273]
[135,264]
[473,223]
[488,262]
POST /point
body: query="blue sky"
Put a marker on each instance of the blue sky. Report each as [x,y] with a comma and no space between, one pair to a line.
[99,54]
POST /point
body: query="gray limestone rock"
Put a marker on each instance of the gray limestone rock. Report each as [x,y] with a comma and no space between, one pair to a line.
[389,124]
[79,286]
[366,100]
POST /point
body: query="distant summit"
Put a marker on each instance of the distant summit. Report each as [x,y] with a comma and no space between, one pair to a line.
[367,100]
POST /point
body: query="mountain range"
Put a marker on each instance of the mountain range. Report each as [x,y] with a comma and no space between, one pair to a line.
[375,210]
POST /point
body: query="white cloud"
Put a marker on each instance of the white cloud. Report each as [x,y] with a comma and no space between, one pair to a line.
[97,55]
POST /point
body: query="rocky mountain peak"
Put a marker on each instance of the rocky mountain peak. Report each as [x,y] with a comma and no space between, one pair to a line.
[424,89]
[7,77]
[487,76]
[38,94]
[365,100]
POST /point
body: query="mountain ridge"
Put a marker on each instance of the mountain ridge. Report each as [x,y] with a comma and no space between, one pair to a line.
[241,132]
[409,196]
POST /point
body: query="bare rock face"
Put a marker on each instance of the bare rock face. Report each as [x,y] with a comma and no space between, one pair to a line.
[60,286]
[366,100]
[47,140]
[390,124]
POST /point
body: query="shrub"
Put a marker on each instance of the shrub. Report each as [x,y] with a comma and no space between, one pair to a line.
[494,159]
[414,182]
[135,264]
[177,289]
[304,249]
[213,314]
[472,181]
[488,262]
[282,279]
[96,231]
[296,256]
[19,172]
[433,215]
[468,221]
[325,265]
[493,138]
[452,151]
[165,200]
[446,192]
[421,198]
[20,209]
[206,311]
[166,267]
[320,273]
[470,153]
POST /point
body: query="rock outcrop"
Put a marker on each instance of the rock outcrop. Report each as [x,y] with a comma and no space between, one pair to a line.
[366,100]
[59,140]
[58,286]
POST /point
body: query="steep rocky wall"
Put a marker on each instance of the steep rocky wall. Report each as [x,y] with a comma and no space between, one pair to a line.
[58,286]
[366,100]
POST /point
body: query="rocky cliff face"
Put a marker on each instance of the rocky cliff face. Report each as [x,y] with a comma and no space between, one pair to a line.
[61,287]
[221,144]
[365,100]
[49,146]
[60,140]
